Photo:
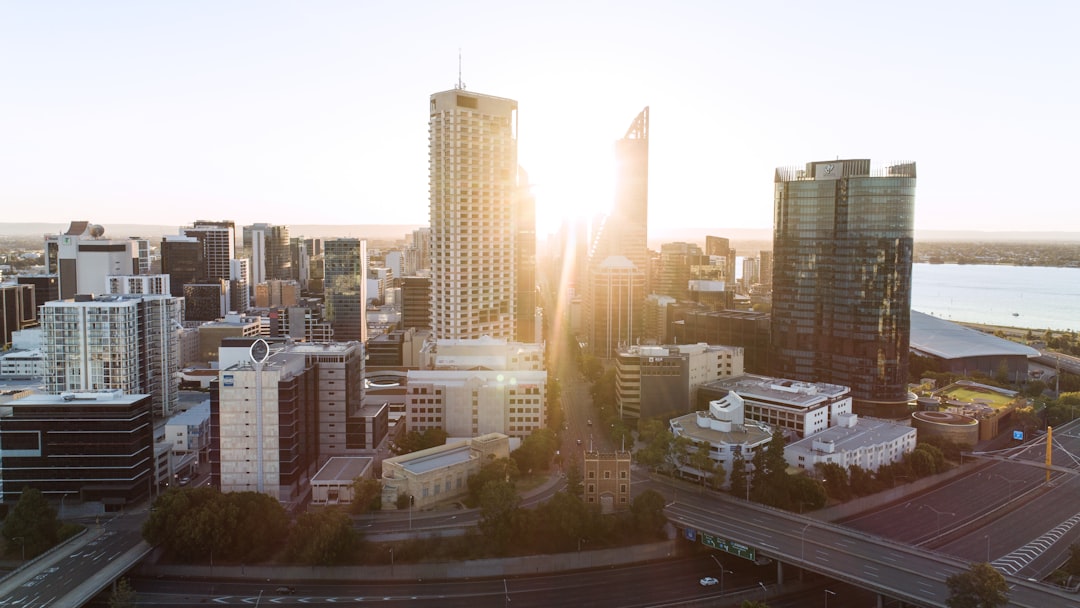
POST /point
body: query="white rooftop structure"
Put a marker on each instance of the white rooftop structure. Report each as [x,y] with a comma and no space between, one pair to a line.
[866,442]
[947,340]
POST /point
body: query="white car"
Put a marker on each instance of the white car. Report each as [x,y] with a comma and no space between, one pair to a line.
[708,581]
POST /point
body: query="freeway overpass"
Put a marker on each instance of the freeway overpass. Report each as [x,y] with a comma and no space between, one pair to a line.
[891,569]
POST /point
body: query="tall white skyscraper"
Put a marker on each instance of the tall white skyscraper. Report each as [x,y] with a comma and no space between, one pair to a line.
[473,182]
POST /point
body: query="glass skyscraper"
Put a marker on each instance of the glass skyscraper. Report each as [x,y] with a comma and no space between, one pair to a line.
[842,250]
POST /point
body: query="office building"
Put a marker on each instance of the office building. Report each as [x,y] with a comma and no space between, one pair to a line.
[661,381]
[473,181]
[416,302]
[345,289]
[124,342]
[616,306]
[343,428]
[18,311]
[722,426]
[720,247]
[750,330]
[619,257]
[82,257]
[803,408]
[150,284]
[184,260]
[262,426]
[841,304]
[239,286]
[526,315]
[267,247]
[47,447]
[869,443]
[46,286]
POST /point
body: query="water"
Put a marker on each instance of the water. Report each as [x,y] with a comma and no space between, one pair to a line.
[1034,297]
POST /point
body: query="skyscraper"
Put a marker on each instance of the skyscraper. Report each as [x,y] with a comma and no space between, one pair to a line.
[346,288]
[525,263]
[842,249]
[472,166]
[623,234]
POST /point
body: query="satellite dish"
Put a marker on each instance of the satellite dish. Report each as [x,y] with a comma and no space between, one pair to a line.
[97,230]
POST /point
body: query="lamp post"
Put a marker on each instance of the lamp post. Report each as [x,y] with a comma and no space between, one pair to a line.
[827,594]
[939,514]
[802,537]
[722,571]
[391,561]
[764,591]
[579,541]
[258,599]
[1010,482]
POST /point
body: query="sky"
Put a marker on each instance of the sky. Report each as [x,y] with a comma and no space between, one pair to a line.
[316,112]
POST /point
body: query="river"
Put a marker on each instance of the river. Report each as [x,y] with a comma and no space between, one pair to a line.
[1034,297]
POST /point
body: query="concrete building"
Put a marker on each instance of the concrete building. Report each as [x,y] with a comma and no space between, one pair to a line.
[659,381]
[46,447]
[473,183]
[869,443]
[267,246]
[616,306]
[468,403]
[212,334]
[22,365]
[842,252]
[440,473]
[124,342]
[150,284]
[345,268]
[750,330]
[724,428]
[333,484]
[46,286]
[803,408]
[81,258]
[18,311]
[416,302]
[481,353]
[277,294]
[525,301]
[263,426]
[606,477]
[344,428]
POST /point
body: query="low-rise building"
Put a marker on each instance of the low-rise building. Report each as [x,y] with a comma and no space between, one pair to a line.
[865,442]
[726,431]
[439,473]
[803,408]
[333,484]
[607,480]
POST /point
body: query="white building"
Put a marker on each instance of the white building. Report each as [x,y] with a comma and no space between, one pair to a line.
[82,257]
[121,342]
[156,284]
[467,403]
[726,431]
[802,408]
[484,352]
[22,365]
[866,442]
[472,183]
[439,473]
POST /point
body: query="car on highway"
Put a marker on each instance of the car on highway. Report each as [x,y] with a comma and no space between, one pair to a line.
[579,442]
[283,590]
[185,480]
[708,581]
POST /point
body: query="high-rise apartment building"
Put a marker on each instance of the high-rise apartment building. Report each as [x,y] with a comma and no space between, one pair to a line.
[473,182]
[126,342]
[528,329]
[842,252]
[345,268]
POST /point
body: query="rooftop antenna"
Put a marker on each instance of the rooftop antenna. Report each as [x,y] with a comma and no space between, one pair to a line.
[460,84]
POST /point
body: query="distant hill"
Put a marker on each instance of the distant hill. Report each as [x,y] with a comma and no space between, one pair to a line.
[154,231]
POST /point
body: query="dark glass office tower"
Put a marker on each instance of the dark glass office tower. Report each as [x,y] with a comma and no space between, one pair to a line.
[842,248]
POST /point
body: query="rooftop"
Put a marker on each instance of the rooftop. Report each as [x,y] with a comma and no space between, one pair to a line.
[947,340]
[792,393]
[867,432]
[341,468]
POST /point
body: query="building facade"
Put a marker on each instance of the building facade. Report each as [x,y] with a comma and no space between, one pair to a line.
[802,408]
[657,381]
[842,254]
[869,443]
[130,343]
[345,288]
[473,185]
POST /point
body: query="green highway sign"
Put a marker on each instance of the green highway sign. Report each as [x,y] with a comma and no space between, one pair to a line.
[728,546]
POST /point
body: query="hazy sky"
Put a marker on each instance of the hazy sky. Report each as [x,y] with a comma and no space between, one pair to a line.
[316,112]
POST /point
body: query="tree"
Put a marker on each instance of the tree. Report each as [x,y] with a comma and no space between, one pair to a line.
[836,480]
[414,441]
[33,522]
[501,469]
[980,586]
[536,451]
[574,478]
[648,512]
[366,495]
[499,502]
[122,596]
[738,477]
[808,494]
[323,538]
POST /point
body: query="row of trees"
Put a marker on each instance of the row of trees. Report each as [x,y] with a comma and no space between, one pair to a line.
[31,528]
[200,524]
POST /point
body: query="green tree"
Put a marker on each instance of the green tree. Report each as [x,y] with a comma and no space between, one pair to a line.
[574,478]
[980,586]
[122,596]
[836,480]
[501,469]
[648,512]
[499,503]
[536,451]
[323,538]
[414,441]
[710,471]
[366,495]
[738,476]
[33,522]
[806,493]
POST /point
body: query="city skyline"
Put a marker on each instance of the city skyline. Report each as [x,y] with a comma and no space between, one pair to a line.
[161,113]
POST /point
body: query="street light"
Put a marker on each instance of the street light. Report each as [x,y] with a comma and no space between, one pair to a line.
[722,571]
[1010,482]
[988,548]
[802,537]
[764,591]
[827,594]
[939,514]
[391,561]
[258,599]
[579,541]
